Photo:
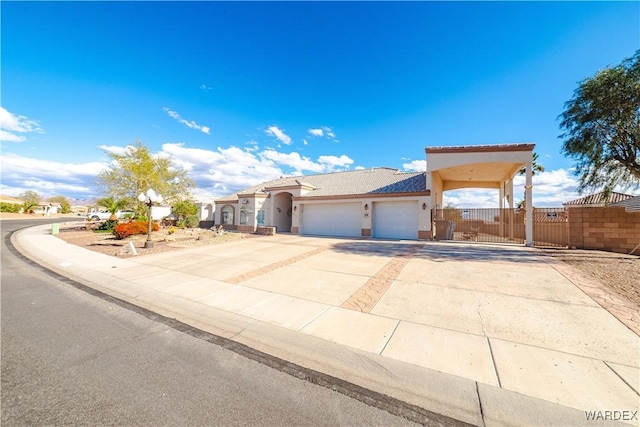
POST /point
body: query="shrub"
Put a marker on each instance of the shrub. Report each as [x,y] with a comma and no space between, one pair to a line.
[122,231]
[10,207]
[107,226]
[192,221]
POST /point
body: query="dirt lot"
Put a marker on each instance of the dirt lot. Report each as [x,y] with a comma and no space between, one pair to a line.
[619,272]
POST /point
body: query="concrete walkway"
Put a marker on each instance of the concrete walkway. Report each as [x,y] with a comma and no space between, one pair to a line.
[489,335]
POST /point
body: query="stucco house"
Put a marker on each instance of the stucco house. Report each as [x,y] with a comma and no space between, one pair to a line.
[377,202]
[334,204]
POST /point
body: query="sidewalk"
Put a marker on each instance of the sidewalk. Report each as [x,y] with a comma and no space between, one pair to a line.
[489,335]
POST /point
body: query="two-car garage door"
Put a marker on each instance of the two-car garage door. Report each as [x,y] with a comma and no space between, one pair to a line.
[339,219]
[391,220]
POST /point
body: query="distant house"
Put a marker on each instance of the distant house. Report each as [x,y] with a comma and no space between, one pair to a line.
[631,205]
[206,209]
[47,208]
[597,200]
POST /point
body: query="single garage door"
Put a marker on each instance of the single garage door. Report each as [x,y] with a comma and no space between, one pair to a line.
[395,220]
[340,219]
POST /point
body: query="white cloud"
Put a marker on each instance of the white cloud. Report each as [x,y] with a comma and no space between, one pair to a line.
[205,87]
[10,137]
[189,123]
[415,166]
[252,145]
[292,160]
[332,162]
[324,131]
[10,124]
[223,171]
[305,142]
[114,149]
[278,133]
[328,132]
[48,178]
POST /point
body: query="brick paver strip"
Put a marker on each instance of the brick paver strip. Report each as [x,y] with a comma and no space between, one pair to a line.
[365,298]
[269,268]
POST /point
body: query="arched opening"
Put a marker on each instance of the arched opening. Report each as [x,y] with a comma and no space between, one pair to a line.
[282,212]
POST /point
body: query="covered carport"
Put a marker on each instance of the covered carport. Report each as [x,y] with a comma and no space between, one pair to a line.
[482,166]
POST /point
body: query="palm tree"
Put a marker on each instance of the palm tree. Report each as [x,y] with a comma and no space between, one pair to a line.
[535,166]
[113,206]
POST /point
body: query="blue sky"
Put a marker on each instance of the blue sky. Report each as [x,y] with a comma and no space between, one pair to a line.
[243,92]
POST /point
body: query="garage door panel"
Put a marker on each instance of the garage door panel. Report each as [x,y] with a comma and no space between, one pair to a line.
[340,219]
[395,220]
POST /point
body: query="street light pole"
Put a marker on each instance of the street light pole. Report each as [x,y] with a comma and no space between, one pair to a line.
[149,199]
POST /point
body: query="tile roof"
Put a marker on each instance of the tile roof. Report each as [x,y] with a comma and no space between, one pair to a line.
[357,182]
[631,204]
[528,146]
[598,199]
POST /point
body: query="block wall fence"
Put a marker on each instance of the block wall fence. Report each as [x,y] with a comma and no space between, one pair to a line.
[610,229]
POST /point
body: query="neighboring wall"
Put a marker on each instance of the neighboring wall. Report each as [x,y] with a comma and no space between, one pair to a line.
[606,228]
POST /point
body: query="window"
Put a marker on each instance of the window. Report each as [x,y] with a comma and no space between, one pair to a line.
[244,215]
[227,215]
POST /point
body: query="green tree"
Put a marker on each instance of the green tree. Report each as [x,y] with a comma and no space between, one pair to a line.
[65,206]
[137,170]
[601,125]
[112,206]
[535,166]
[30,199]
[183,209]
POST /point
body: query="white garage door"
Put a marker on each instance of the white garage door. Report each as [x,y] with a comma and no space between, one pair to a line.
[341,219]
[395,220]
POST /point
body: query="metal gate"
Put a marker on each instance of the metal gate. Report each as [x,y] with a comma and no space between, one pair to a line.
[495,225]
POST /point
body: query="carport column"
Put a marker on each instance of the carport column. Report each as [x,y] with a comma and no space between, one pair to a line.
[509,195]
[528,194]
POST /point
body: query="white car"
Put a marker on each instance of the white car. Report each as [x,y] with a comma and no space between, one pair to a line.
[105,215]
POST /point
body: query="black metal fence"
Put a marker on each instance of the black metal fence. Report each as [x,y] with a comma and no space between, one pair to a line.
[501,225]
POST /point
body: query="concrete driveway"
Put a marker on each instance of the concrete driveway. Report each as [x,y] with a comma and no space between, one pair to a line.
[502,317]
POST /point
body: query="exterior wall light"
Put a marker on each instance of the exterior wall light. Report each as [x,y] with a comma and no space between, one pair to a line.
[366,207]
[424,206]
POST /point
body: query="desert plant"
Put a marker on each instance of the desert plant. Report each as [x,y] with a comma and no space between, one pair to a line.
[113,206]
[127,229]
[192,221]
[10,207]
[108,225]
